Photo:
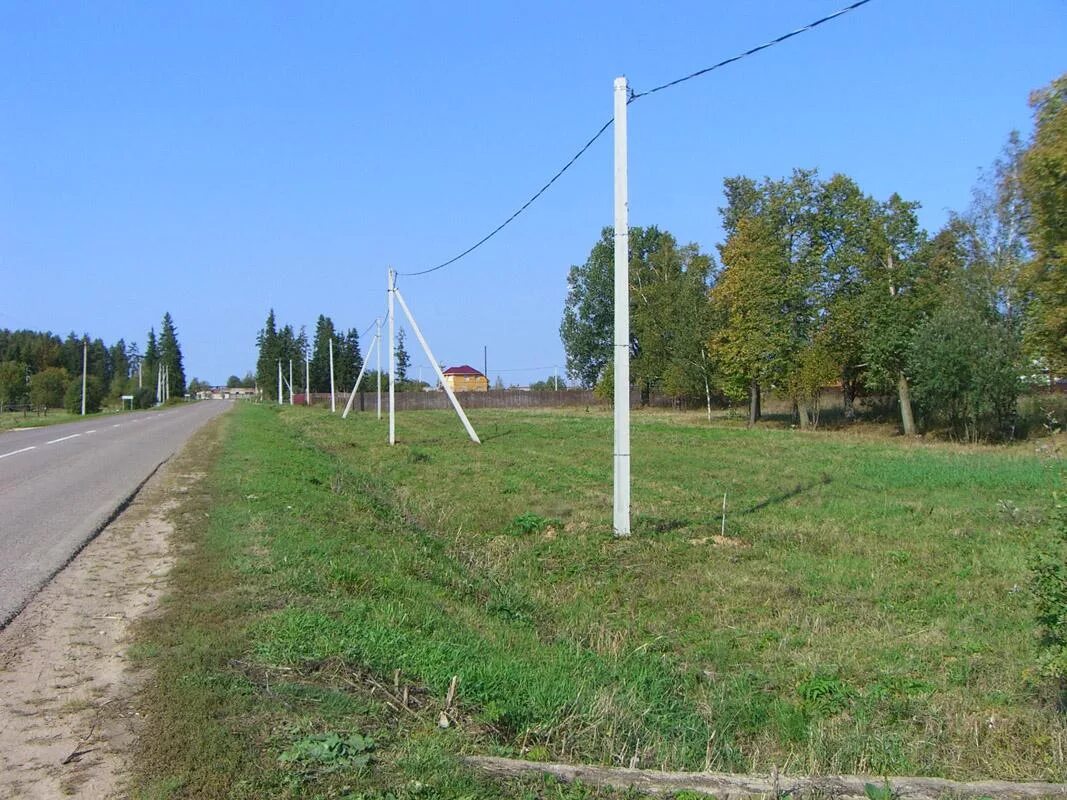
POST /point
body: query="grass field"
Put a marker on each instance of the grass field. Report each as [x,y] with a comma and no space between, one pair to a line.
[10,420]
[866,610]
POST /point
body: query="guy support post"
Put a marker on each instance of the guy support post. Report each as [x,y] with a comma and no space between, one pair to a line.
[378,336]
[437,368]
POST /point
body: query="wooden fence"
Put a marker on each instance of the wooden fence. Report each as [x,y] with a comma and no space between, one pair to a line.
[494,398]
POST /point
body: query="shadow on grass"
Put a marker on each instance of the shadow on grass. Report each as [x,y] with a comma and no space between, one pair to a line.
[800,488]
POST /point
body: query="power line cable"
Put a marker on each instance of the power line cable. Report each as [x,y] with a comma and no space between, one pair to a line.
[524,206]
[751,52]
[633,96]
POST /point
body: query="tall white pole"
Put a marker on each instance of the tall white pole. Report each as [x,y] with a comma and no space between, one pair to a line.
[378,336]
[392,362]
[291,400]
[307,380]
[281,394]
[85,372]
[333,396]
[622,317]
[437,367]
[140,383]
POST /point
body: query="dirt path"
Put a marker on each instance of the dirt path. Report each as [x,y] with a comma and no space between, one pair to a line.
[67,684]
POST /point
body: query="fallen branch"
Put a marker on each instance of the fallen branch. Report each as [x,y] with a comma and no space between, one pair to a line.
[730,787]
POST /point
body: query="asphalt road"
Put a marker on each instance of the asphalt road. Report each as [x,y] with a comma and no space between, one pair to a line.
[60,484]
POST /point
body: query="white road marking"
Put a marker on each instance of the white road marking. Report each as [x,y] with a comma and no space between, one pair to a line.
[64,438]
[92,431]
[117,425]
[16,452]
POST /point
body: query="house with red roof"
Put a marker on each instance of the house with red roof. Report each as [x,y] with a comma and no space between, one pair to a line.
[466,378]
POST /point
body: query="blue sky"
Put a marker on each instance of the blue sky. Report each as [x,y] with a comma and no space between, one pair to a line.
[219,159]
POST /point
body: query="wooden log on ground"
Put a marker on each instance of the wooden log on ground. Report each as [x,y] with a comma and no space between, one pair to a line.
[733,787]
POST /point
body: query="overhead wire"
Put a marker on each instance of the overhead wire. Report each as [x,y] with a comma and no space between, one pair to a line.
[634,96]
[522,208]
[751,52]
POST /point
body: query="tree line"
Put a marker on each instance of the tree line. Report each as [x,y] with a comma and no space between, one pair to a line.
[818,283]
[281,345]
[42,370]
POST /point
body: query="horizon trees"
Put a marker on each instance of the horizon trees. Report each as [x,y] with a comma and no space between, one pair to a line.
[31,353]
[819,284]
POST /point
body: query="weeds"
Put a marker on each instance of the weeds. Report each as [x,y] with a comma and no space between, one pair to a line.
[572,645]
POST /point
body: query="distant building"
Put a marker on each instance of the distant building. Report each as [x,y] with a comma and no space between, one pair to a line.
[226,393]
[465,378]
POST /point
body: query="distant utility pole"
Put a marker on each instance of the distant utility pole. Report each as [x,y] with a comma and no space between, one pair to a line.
[291,400]
[333,397]
[392,359]
[485,362]
[281,394]
[85,371]
[378,336]
[307,379]
[622,317]
[140,384]
[555,372]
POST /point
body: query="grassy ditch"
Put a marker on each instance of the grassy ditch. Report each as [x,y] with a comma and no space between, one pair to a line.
[865,611]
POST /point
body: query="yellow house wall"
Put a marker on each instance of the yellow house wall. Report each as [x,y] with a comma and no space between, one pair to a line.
[467,383]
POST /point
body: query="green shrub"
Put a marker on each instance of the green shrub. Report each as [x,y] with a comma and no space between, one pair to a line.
[144,397]
[527,523]
[964,371]
[48,386]
[94,395]
[1048,582]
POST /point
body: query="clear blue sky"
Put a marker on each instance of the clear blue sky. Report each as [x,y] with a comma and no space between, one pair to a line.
[218,159]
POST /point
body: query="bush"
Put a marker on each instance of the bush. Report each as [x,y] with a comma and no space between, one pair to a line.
[964,373]
[48,386]
[94,395]
[1048,583]
[144,397]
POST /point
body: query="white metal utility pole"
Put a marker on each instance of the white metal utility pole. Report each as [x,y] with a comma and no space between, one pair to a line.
[378,336]
[140,383]
[392,360]
[291,400]
[307,380]
[555,373]
[333,395]
[85,371]
[281,394]
[622,317]
[437,368]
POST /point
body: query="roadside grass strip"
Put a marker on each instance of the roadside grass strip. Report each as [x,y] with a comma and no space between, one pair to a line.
[347,619]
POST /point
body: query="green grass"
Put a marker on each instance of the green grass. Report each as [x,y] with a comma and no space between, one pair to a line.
[866,611]
[31,419]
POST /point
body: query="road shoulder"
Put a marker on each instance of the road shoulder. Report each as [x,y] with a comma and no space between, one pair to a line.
[69,678]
